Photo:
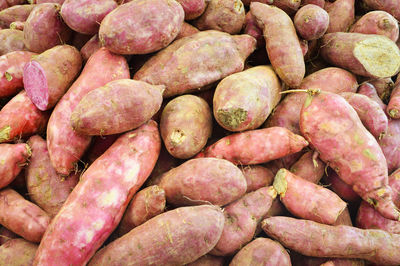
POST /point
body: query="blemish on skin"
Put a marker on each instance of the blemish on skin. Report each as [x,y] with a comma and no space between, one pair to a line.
[109,198]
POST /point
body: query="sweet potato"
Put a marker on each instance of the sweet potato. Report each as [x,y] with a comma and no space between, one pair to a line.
[282,43]
[96,205]
[383,87]
[48,75]
[85,16]
[17,25]
[390,6]
[368,55]
[11,70]
[65,149]
[390,144]
[394,183]
[47,189]
[321,240]
[98,146]
[342,189]
[257,177]
[90,47]
[369,90]
[208,260]
[164,163]
[393,107]
[244,100]
[48,1]
[262,251]
[251,28]
[223,15]
[146,204]
[186,30]
[241,220]
[188,184]
[311,22]
[186,125]
[45,29]
[333,127]
[377,22]
[12,157]
[15,2]
[21,216]
[309,167]
[17,252]
[11,40]
[3,4]
[341,15]
[15,13]
[289,6]
[176,237]
[256,146]
[320,3]
[20,118]
[6,235]
[193,8]
[218,55]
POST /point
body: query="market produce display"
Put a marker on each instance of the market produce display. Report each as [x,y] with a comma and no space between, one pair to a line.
[199,132]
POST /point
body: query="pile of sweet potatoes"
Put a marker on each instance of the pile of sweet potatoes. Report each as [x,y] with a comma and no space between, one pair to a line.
[199,132]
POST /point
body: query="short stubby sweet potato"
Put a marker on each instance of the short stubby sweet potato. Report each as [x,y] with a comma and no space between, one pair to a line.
[85,16]
[67,148]
[223,15]
[390,144]
[45,29]
[21,216]
[311,22]
[341,15]
[309,167]
[96,205]
[390,6]
[45,187]
[257,177]
[11,70]
[393,107]
[333,127]
[48,75]
[256,146]
[262,251]
[218,55]
[369,90]
[208,260]
[20,118]
[368,55]
[15,13]
[189,183]
[17,252]
[146,204]
[186,125]
[90,47]
[343,190]
[377,22]
[175,237]
[149,25]
[11,40]
[12,157]
[193,8]
[186,30]
[244,100]
[282,44]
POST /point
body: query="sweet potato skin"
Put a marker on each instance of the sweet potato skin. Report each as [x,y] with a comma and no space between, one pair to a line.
[208,260]
[66,149]
[11,40]
[341,15]
[193,8]
[311,22]
[17,252]
[257,177]
[309,167]
[251,28]
[369,90]
[342,189]
[186,30]
[393,107]
[389,143]
[90,47]
[320,3]
[15,13]
[101,196]
[13,158]
[383,87]
[390,6]
[6,235]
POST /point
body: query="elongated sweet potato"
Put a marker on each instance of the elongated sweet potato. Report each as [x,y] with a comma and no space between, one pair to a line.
[11,40]
[309,167]
[186,30]
[369,90]
[15,13]
[101,197]
[244,100]
[90,47]
[67,148]
[341,15]
[186,125]
[193,8]
[262,251]
[390,144]
[368,55]
[218,55]
[342,189]
[12,157]
[311,22]
[390,6]
[20,118]
[45,187]
[257,177]
[17,252]
[282,43]
[333,127]
[393,107]
[21,216]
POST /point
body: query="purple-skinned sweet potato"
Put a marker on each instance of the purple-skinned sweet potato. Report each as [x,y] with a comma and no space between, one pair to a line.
[218,55]
[208,260]
[390,144]
[17,252]
[282,44]
[334,129]
[45,29]
[85,16]
[193,8]
[390,6]
[186,30]
[49,75]
[90,47]
[342,189]
[11,40]
[15,13]
[257,177]
[67,148]
[256,146]
[243,101]
[369,90]
[309,167]
[12,157]
[311,22]
[393,107]
[186,125]
[96,205]
[341,15]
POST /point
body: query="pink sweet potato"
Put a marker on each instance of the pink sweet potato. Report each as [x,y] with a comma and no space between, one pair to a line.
[309,167]
[333,127]
[149,25]
[98,146]
[393,107]
[342,189]
[175,237]
[244,100]
[257,177]
[241,220]
[12,157]
[17,25]
[282,43]
[251,28]
[390,144]
[6,235]
[377,22]
[188,184]
[218,55]
[11,70]
[15,2]
[21,216]
[289,6]
[186,30]
[17,252]
[146,204]
[85,16]
[90,47]
[320,3]
[390,6]
[44,28]
[48,75]
[96,205]
[208,260]
[45,187]
[341,15]
[15,13]
[11,40]
[65,149]
[20,118]
[368,55]
[256,146]
[193,8]
[186,125]
[262,251]
[311,22]
[369,90]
